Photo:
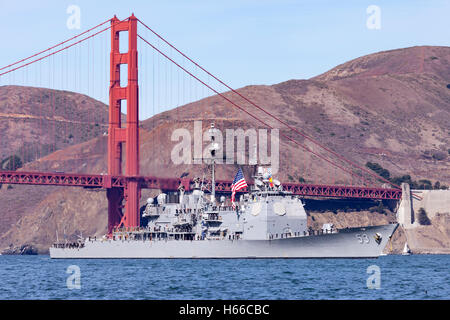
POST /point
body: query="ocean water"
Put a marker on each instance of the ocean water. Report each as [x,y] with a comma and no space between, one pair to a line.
[398,277]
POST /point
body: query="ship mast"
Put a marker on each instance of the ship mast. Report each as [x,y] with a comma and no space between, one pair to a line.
[212,149]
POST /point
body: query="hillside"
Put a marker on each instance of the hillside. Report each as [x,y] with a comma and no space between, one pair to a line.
[359,109]
[36,121]
[392,108]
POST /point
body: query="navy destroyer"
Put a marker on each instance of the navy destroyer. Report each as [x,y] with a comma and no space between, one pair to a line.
[265,222]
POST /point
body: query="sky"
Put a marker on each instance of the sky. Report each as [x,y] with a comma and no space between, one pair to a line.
[243,42]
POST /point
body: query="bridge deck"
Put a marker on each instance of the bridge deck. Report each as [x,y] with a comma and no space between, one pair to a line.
[171,184]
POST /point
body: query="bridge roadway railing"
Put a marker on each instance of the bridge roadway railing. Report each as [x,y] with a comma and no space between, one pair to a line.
[172,184]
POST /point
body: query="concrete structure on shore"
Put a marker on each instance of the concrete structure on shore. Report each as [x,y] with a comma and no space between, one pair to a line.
[405,212]
[425,239]
[433,202]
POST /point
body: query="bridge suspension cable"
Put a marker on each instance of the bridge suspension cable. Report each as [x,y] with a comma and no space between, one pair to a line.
[55,46]
[314,141]
[247,112]
[71,66]
[57,51]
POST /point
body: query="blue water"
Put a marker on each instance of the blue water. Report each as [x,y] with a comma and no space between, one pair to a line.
[401,277]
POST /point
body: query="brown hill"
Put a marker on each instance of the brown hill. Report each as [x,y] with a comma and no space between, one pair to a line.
[391,107]
[360,109]
[36,121]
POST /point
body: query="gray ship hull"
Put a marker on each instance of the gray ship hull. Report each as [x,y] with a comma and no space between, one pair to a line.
[347,243]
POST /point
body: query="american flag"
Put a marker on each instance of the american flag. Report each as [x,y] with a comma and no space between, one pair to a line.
[238,184]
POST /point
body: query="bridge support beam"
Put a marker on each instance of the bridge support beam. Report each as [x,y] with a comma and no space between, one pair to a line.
[128,135]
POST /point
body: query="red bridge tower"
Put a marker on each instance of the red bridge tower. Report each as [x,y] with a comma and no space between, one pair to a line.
[118,134]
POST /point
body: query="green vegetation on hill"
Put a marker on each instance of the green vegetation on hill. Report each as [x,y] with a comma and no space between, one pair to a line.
[378,170]
[423,184]
[11,163]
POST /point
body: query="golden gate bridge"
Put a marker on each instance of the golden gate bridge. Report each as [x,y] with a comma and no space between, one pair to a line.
[123,185]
